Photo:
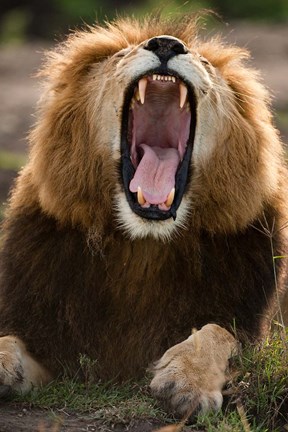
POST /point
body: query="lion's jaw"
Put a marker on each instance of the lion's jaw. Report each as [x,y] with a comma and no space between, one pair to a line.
[157,129]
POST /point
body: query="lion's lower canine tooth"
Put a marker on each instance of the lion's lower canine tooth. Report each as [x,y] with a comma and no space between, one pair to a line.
[137,95]
[140,197]
[170,198]
[183,94]
[142,84]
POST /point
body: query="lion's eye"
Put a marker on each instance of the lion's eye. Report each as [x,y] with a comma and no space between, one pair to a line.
[204,60]
[122,53]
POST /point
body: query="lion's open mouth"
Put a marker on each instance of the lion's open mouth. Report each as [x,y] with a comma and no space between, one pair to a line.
[158,126]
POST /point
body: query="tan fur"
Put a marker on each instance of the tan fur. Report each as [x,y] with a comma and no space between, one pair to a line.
[120,288]
[18,369]
[61,175]
[192,373]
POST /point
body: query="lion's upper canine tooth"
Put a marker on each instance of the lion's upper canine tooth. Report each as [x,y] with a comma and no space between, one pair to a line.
[142,84]
[170,198]
[140,197]
[183,94]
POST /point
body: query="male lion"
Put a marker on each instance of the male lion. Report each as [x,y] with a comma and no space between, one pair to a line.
[154,175]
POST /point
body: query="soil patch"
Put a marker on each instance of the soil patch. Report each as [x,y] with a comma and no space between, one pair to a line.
[24,419]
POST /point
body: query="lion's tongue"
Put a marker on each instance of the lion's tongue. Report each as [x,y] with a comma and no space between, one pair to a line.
[155,173]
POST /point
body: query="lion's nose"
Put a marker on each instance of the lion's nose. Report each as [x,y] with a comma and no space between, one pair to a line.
[165,47]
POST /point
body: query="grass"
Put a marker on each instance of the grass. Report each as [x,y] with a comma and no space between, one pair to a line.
[2,212]
[256,398]
[263,388]
[107,402]
[12,161]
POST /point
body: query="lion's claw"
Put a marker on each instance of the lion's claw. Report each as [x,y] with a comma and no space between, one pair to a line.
[181,399]
[5,391]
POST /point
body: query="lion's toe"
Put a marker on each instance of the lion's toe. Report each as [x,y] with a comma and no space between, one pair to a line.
[5,390]
[11,370]
[182,399]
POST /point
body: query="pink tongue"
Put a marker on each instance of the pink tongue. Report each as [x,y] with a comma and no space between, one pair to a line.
[155,173]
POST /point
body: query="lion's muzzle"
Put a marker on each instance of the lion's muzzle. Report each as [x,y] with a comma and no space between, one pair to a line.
[158,127]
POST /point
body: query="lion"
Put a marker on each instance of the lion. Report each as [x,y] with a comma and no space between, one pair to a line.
[155,185]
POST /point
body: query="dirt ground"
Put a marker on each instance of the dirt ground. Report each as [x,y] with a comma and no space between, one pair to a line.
[15,418]
[19,93]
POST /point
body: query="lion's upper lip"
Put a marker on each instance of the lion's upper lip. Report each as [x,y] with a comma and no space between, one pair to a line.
[157,119]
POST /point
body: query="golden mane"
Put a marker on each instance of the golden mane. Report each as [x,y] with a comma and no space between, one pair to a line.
[65,164]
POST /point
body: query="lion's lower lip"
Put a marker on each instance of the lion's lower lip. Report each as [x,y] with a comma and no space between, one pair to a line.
[158,126]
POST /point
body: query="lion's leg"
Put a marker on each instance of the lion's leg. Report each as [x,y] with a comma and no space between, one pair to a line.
[18,369]
[190,376]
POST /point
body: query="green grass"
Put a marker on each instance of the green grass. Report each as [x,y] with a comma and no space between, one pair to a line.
[10,161]
[2,212]
[13,161]
[107,402]
[257,401]
[282,118]
[263,388]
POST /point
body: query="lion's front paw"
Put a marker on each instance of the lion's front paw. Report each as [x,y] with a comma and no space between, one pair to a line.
[190,376]
[181,396]
[11,368]
[18,370]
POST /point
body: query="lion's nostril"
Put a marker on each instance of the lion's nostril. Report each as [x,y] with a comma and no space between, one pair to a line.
[153,44]
[179,48]
[166,47]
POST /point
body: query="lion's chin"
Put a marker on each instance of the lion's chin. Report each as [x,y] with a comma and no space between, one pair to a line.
[136,227]
[158,128]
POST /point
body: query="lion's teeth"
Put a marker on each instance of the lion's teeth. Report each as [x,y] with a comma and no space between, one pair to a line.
[140,197]
[183,94]
[157,77]
[142,84]
[137,95]
[132,103]
[170,198]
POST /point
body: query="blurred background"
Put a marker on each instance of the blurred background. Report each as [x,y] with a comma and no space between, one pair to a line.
[29,27]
